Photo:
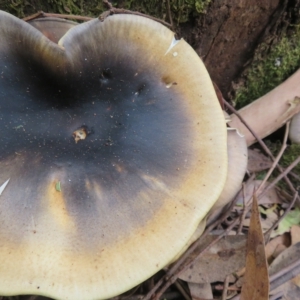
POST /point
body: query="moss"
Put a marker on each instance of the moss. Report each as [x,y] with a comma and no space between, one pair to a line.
[181,10]
[267,72]
[65,6]
[270,68]
[291,154]
[21,8]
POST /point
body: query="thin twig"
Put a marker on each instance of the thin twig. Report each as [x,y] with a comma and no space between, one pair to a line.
[61,16]
[285,270]
[282,175]
[225,289]
[243,216]
[113,10]
[34,16]
[182,291]
[276,160]
[297,177]
[170,14]
[109,5]
[278,295]
[289,272]
[169,296]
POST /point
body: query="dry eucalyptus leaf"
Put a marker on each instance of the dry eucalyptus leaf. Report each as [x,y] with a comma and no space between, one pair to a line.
[285,259]
[289,290]
[225,257]
[270,197]
[200,290]
[256,279]
[257,161]
[278,250]
[272,246]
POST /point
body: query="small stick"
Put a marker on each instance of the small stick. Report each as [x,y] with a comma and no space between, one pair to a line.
[182,290]
[278,295]
[109,5]
[287,269]
[225,289]
[34,16]
[278,157]
[42,14]
[113,10]
[170,14]
[282,175]
[243,216]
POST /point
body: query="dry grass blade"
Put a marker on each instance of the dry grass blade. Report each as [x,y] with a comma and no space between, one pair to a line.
[256,285]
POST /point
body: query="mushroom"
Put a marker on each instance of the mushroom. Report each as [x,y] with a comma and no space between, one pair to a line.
[237,167]
[93,217]
[52,28]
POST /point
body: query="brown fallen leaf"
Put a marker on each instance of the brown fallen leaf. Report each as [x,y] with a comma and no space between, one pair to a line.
[224,258]
[272,247]
[284,272]
[270,197]
[291,288]
[200,290]
[257,161]
[256,281]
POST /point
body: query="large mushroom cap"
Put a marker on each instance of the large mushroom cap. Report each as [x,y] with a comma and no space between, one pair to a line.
[110,139]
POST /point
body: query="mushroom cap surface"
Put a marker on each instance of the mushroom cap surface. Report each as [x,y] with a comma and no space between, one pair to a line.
[90,218]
